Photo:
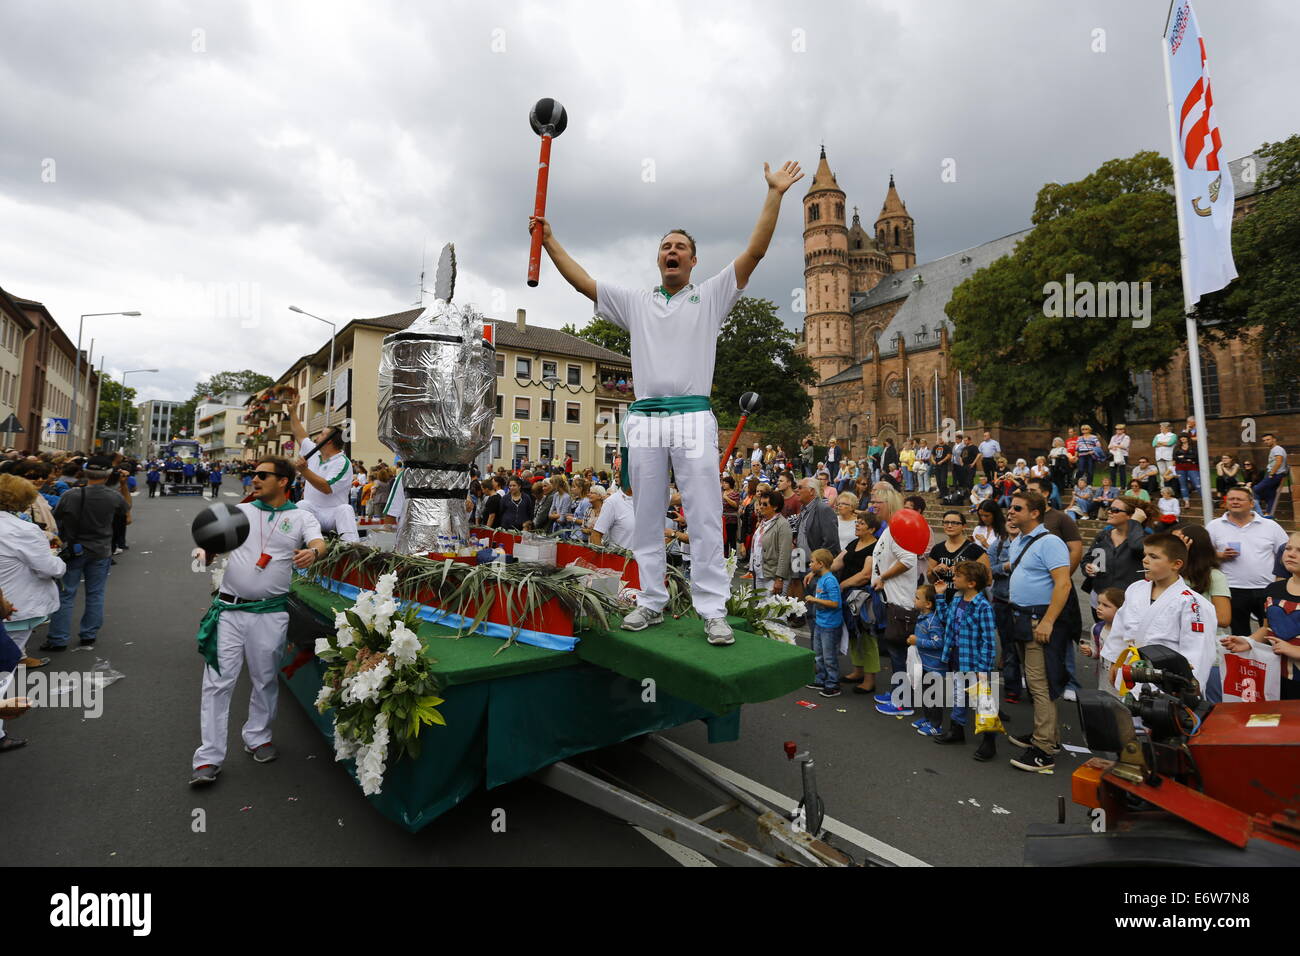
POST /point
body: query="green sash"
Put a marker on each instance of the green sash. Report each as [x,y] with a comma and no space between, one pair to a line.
[207,636]
[652,406]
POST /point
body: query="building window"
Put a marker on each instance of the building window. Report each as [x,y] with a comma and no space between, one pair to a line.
[500,408]
[814,213]
[523,368]
[1281,386]
[1141,407]
[548,411]
[550,370]
[1209,384]
[575,375]
[839,210]
[610,449]
[521,450]
[523,408]
[501,364]
[918,409]
[496,447]
[547,451]
[572,449]
[573,413]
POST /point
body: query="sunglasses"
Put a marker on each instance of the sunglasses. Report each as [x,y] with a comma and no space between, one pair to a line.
[1117,511]
[267,475]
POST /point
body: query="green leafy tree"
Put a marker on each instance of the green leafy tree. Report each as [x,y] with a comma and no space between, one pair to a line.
[244,381]
[600,331]
[1265,297]
[1116,225]
[111,400]
[756,353]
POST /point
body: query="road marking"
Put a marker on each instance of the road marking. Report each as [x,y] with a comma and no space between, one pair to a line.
[683,855]
[830,824]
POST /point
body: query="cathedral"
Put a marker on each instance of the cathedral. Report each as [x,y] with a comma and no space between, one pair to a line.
[876,334]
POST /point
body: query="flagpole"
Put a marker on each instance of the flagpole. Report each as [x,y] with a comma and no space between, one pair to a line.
[1189,308]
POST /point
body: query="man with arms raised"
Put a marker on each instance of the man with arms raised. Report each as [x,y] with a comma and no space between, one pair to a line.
[674,330]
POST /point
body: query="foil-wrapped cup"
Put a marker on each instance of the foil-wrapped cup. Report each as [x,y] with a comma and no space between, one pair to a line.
[437,403]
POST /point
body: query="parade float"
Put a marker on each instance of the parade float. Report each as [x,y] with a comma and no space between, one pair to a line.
[465,658]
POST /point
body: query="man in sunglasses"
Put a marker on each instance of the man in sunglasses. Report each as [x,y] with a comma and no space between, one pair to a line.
[249,617]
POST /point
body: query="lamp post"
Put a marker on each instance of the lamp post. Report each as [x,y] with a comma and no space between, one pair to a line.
[121,401]
[551,382]
[76,375]
[329,384]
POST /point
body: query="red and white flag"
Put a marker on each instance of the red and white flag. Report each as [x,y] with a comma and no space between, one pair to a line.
[1203,185]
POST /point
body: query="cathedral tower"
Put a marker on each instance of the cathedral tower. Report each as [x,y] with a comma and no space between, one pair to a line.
[828,329]
[894,230]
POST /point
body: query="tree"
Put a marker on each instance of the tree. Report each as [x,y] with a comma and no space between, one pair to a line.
[245,381]
[1265,296]
[1014,334]
[756,353]
[111,399]
[600,331]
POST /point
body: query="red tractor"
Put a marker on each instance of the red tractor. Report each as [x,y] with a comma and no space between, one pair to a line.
[1195,785]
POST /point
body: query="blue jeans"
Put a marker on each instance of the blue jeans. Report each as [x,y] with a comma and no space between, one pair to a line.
[95,571]
[907,480]
[1265,491]
[1086,465]
[1189,481]
[826,649]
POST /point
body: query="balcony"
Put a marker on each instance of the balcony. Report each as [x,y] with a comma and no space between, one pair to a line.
[613,383]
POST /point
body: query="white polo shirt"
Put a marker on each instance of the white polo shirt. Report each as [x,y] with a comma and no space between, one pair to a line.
[1257,543]
[279,533]
[674,341]
[337,471]
[616,521]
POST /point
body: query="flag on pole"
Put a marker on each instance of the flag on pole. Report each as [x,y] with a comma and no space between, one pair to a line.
[1203,185]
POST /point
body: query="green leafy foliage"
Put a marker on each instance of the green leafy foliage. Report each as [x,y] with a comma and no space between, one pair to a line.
[756,353]
[600,331]
[1115,225]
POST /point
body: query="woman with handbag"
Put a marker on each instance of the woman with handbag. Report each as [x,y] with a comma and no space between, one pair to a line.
[852,568]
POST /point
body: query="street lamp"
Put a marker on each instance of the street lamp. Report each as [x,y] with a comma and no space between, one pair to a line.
[551,382]
[77,371]
[329,383]
[121,401]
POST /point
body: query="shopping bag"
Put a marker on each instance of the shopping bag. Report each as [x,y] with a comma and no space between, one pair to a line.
[914,672]
[1252,675]
[986,708]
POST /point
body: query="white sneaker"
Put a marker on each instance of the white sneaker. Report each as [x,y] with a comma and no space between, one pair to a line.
[641,618]
[719,631]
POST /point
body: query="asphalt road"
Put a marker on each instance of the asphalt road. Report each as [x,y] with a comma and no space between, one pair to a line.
[113,790]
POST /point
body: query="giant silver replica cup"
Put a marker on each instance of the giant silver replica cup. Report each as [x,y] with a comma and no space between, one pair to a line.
[437,401]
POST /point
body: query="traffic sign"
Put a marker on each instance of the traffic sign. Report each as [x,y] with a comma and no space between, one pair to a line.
[11,425]
[56,426]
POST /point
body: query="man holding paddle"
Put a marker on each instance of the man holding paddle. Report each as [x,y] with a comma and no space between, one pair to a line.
[674,329]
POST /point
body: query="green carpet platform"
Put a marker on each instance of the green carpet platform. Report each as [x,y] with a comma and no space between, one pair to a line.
[512,710]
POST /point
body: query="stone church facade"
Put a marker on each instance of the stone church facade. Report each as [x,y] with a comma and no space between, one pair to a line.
[876,334]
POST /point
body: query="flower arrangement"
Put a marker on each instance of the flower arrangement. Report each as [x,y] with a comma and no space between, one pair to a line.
[764,612]
[378,683]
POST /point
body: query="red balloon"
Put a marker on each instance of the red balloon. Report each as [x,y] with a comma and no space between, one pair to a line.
[910,530]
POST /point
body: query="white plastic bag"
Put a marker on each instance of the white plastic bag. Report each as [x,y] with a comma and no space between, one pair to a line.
[914,673]
[1252,675]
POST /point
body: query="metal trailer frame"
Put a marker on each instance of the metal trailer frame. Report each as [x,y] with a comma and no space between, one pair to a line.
[779,843]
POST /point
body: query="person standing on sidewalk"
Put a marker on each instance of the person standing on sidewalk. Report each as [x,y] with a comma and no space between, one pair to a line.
[85,516]
[1040,585]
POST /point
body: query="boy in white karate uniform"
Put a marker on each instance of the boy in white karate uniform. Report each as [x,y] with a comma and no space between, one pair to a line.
[1162,609]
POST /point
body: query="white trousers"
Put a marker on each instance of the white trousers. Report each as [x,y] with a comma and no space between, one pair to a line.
[259,639]
[689,440]
[342,519]
[7,678]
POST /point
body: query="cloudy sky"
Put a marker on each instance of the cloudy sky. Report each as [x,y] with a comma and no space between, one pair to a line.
[209,164]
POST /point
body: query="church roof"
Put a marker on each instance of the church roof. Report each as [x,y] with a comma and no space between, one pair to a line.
[923,309]
[893,204]
[824,179]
